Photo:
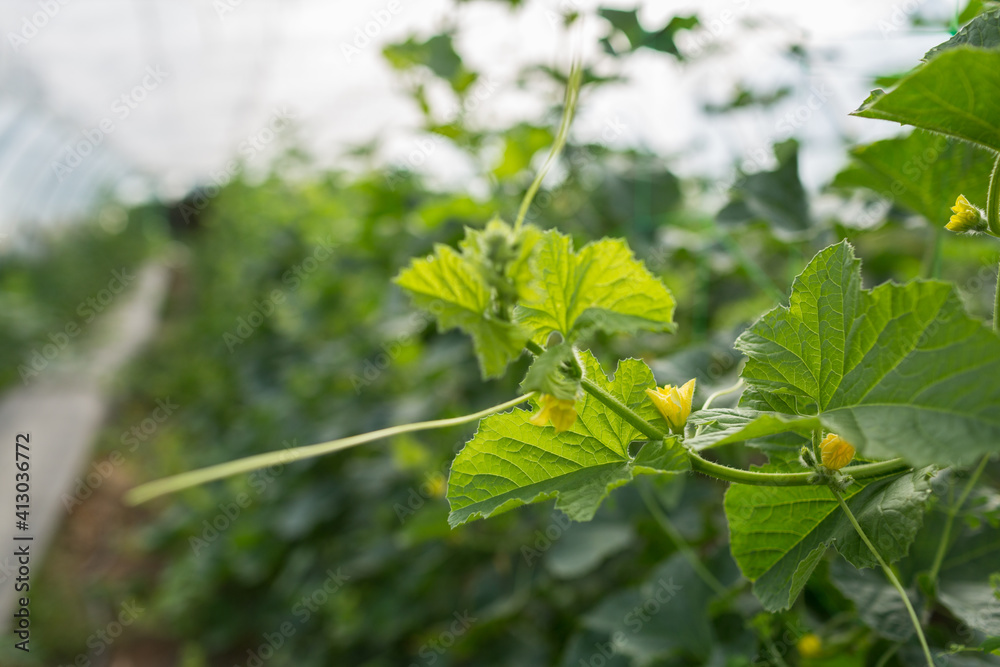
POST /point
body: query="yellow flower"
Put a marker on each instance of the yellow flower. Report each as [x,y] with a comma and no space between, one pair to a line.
[835,451]
[810,646]
[967,217]
[674,403]
[560,411]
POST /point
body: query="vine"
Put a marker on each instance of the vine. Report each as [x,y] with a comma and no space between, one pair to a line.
[838,371]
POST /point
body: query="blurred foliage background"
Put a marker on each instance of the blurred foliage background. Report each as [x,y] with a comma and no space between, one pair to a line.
[281,327]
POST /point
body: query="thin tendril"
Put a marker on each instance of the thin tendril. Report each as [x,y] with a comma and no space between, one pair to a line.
[569,108]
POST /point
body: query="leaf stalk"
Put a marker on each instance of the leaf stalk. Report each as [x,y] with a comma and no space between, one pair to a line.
[889,575]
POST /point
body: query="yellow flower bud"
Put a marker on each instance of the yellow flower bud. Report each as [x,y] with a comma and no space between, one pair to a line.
[967,217]
[835,452]
[560,411]
[810,646]
[674,403]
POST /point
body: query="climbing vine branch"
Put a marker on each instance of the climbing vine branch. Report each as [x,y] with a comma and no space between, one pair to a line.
[146,492]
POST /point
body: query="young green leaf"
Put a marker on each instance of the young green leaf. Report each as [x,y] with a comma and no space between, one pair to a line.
[451,287]
[900,370]
[922,171]
[603,286]
[779,534]
[556,372]
[511,462]
[953,94]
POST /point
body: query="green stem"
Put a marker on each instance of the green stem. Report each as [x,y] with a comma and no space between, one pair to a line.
[996,304]
[534,348]
[726,473]
[150,490]
[993,224]
[889,574]
[623,411]
[738,476]
[993,201]
[569,107]
[679,542]
[943,545]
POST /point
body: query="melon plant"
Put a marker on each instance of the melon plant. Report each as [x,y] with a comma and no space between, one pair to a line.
[861,398]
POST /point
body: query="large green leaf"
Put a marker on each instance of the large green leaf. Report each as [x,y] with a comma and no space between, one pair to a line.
[603,286]
[667,613]
[983,31]
[900,370]
[972,557]
[779,534]
[877,601]
[511,462]
[452,287]
[583,546]
[964,586]
[922,171]
[954,94]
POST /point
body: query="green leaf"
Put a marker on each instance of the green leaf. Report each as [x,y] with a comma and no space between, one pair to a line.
[877,602]
[601,287]
[779,534]
[660,456]
[726,426]
[437,54]
[627,22]
[452,287]
[900,370]
[982,32]
[964,581]
[556,371]
[582,547]
[776,197]
[511,462]
[667,613]
[923,172]
[972,9]
[663,40]
[502,258]
[953,94]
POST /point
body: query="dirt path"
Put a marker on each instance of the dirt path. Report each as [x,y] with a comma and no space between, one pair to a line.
[62,409]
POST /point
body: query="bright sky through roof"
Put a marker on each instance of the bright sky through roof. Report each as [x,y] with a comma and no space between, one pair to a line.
[178,88]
